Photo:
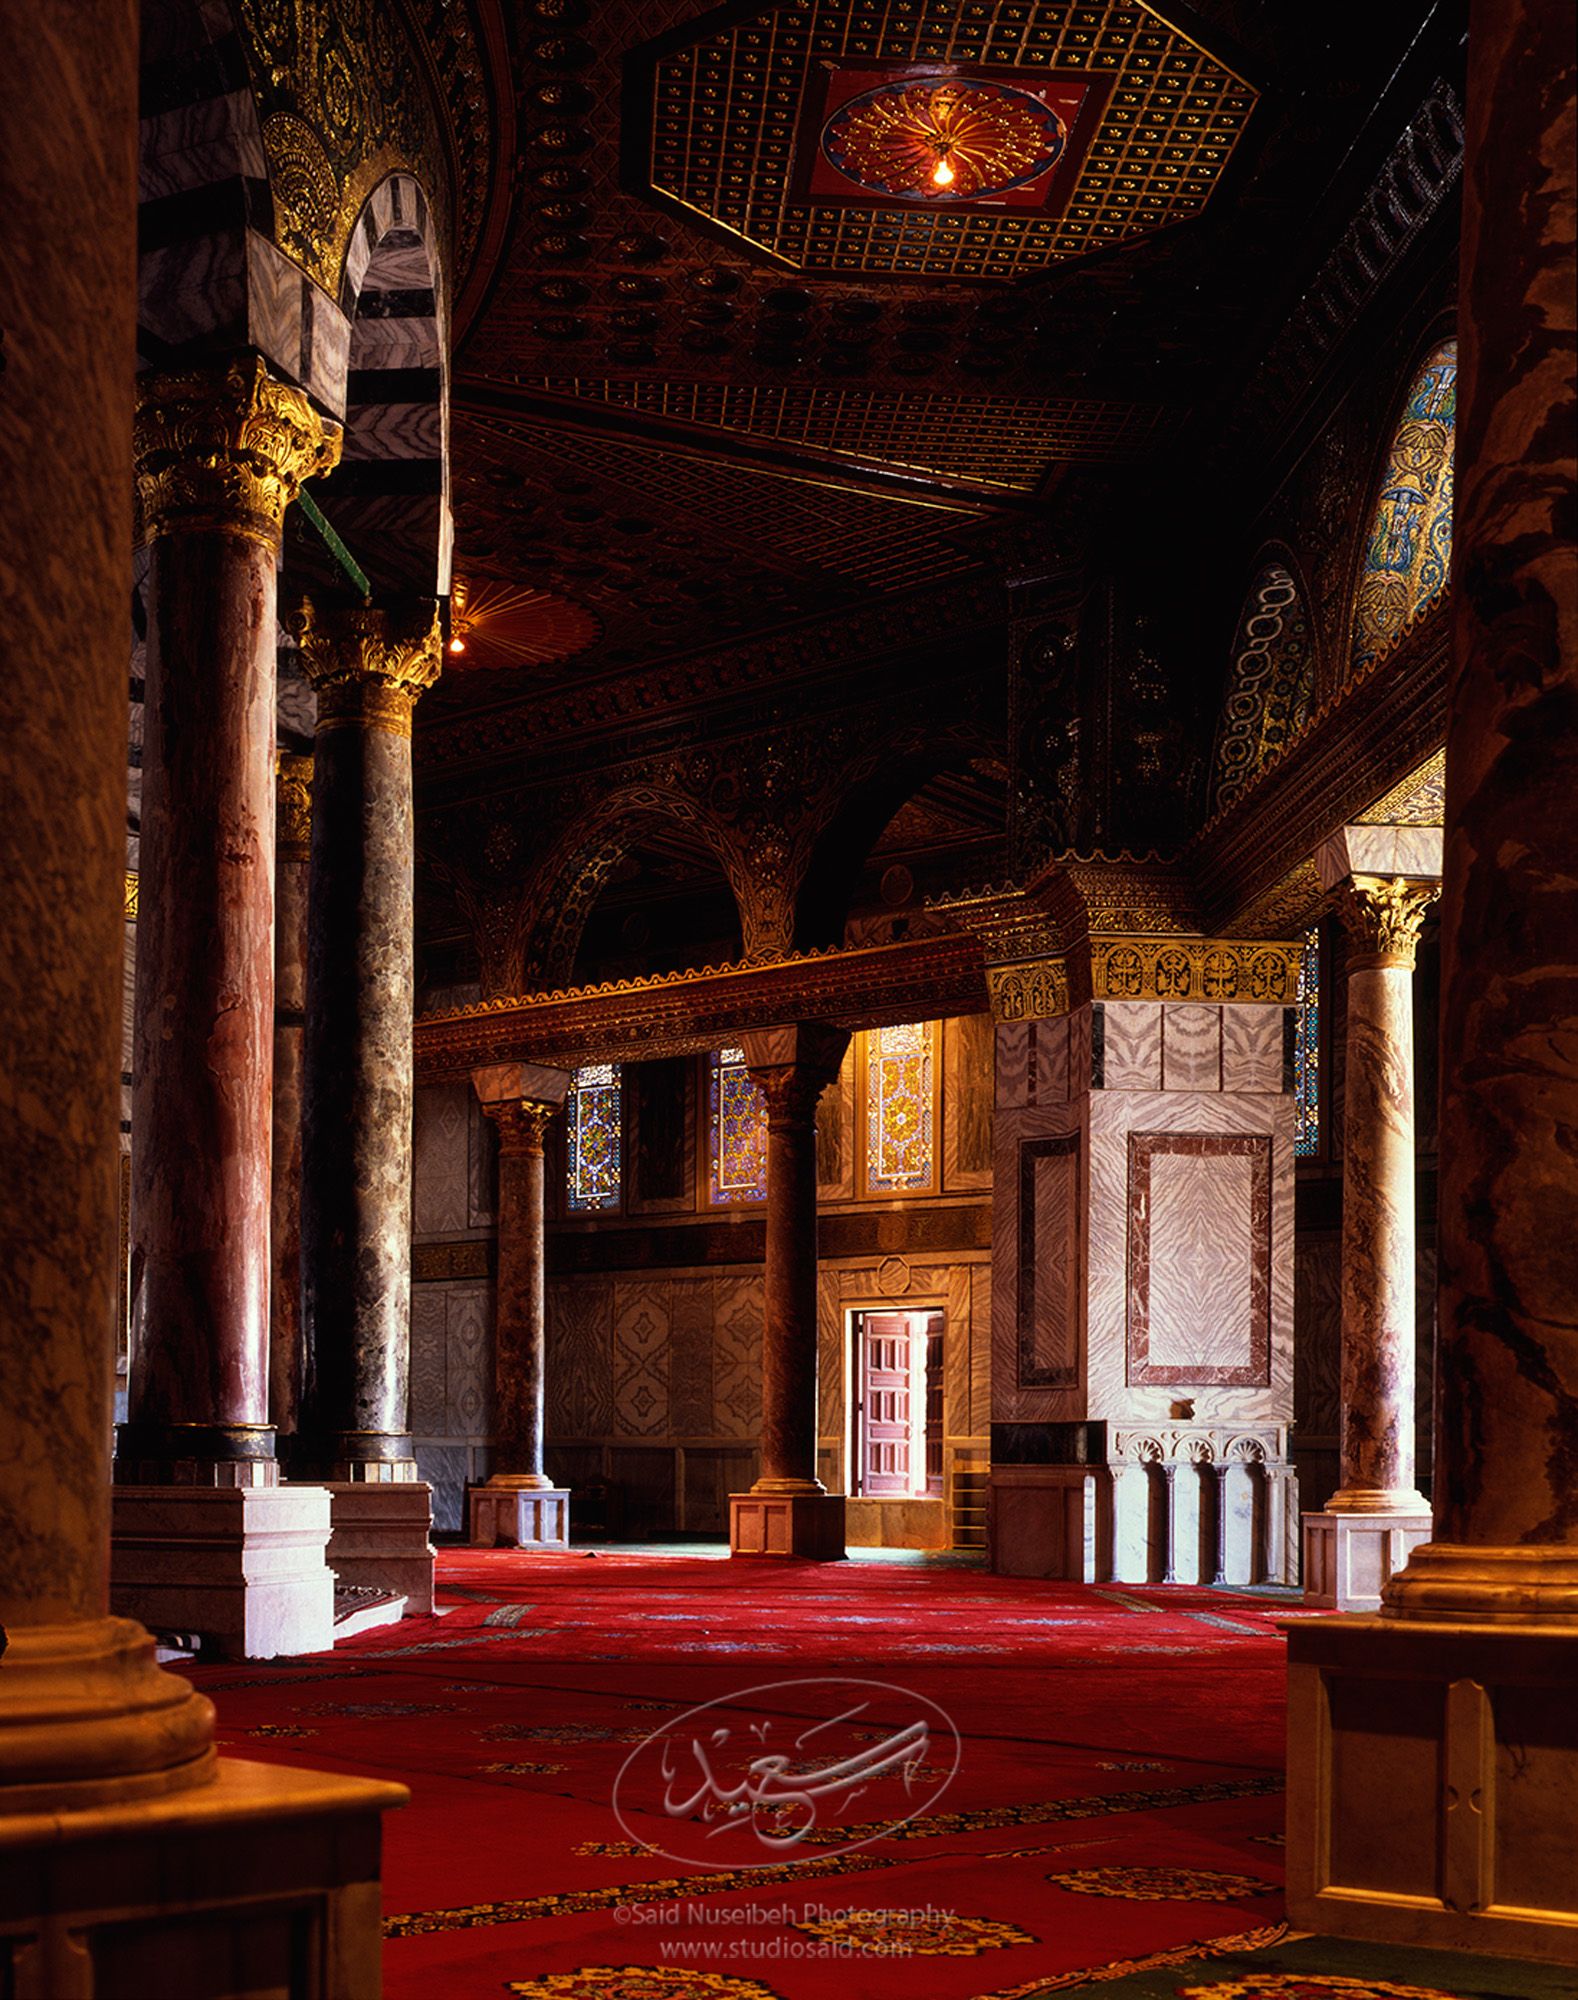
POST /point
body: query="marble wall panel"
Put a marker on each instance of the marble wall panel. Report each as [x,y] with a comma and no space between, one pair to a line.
[1062,1057]
[1252,1048]
[1014,1401]
[641,1358]
[1049,1263]
[446,1467]
[835,1134]
[1131,1045]
[737,1310]
[690,1367]
[967,1100]
[975,1416]
[1317,1334]
[482,1167]
[1079,1043]
[197,145]
[468,1360]
[439,1162]
[274,305]
[1199,1259]
[1012,1064]
[428,1412]
[580,1383]
[1191,1048]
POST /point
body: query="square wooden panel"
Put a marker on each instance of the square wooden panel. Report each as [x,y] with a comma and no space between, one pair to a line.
[1199,1290]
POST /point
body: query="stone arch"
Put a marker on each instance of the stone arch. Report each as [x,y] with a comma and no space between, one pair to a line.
[389,498]
[872,791]
[1404,556]
[1271,679]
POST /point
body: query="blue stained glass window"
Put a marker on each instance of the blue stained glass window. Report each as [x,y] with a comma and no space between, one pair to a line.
[738,1147]
[1408,550]
[593,1120]
[1306,1051]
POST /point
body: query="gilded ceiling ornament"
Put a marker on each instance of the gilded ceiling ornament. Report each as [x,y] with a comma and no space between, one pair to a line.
[949,140]
[368,662]
[306,193]
[226,450]
[1383,918]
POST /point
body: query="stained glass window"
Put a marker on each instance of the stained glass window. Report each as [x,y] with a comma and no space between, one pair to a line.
[593,1119]
[738,1147]
[1409,546]
[900,1096]
[1306,1051]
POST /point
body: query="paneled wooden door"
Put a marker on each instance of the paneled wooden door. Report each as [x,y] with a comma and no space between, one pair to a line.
[886,1378]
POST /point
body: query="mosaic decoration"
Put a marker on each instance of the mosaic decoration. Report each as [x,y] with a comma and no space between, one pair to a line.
[732,110]
[1162,1885]
[957,139]
[1408,551]
[1310,1986]
[993,442]
[592,1119]
[738,1146]
[638,1982]
[900,1108]
[1270,687]
[1306,1051]
[916,1936]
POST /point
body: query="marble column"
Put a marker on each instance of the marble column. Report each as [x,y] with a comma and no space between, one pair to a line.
[220,453]
[292,843]
[368,665]
[789,1511]
[1431,1747]
[1377,1515]
[520,1507]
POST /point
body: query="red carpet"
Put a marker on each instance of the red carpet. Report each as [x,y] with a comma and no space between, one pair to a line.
[1117,1791]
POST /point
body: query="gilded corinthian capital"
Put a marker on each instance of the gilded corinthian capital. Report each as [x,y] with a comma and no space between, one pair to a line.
[227,450]
[293,804]
[1383,918]
[369,662]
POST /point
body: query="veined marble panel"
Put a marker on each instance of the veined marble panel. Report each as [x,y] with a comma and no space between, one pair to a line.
[1114,1115]
[439,1167]
[579,1364]
[1199,1259]
[199,145]
[1079,1052]
[396,343]
[1252,1048]
[1049,1263]
[394,430]
[968,1096]
[1132,1045]
[641,1358]
[1055,1079]
[1192,1047]
[1011,1400]
[737,1313]
[468,1360]
[196,286]
[1013,1064]
[427,1361]
[329,333]
[403,267]
[690,1367]
[274,305]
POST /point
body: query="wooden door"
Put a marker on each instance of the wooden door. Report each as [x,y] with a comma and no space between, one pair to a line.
[886,1372]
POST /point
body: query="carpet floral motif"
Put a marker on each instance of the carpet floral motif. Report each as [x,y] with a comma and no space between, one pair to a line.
[912,1934]
[1310,1986]
[524,1770]
[638,1982]
[1161,1885]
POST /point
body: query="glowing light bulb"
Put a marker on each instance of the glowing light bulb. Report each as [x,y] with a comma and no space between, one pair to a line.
[457,645]
[942,174]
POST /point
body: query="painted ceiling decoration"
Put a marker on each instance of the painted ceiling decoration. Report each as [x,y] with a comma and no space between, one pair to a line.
[495,624]
[980,142]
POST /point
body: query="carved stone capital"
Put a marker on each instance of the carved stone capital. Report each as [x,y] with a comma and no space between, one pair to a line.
[369,662]
[226,450]
[1383,918]
[522,1124]
[793,1066]
[292,805]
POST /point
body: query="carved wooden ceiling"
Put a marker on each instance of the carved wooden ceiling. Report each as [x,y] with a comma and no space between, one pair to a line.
[725,378]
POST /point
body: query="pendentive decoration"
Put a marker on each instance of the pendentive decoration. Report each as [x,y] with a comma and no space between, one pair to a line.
[949,139]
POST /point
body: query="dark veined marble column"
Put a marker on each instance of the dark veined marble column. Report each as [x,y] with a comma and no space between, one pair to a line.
[788,1510]
[292,847]
[520,1505]
[1506,1525]
[86,1717]
[368,665]
[220,454]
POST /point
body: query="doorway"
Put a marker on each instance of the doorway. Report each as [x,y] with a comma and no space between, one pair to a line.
[896,1418]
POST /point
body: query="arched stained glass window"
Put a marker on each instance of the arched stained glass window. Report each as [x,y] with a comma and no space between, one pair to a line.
[738,1143]
[1306,1051]
[900,1108]
[1270,686]
[592,1115]
[1408,549]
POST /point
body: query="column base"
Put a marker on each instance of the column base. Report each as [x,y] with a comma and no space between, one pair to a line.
[1348,1558]
[807,1525]
[263,1881]
[510,1516]
[241,1568]
[1431,1785]
[382,1538]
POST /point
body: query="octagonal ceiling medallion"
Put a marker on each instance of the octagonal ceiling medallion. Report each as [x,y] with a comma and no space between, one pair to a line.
[978,141]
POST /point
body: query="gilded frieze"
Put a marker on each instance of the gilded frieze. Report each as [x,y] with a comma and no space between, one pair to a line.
[1173,968]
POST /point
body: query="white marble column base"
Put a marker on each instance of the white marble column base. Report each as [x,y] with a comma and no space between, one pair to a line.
[243,1886]
[1348,1557]
[383,1538]
[518,1517]
[243,1568]
[808,1525]
[1430,1785]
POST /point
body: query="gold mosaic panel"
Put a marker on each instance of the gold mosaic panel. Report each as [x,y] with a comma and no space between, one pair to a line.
[1001,443]
[727,113]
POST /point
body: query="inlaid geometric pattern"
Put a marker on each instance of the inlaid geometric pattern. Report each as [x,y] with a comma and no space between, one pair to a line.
[731,111]
[641,1360]
[995,442]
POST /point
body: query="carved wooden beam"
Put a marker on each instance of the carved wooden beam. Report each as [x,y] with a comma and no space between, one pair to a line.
[863,987]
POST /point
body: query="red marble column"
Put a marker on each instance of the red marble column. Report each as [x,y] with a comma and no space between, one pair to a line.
[292,842]
[1506,1484]
[220,454]
[791,1067]
[369,665]
[86,1717]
